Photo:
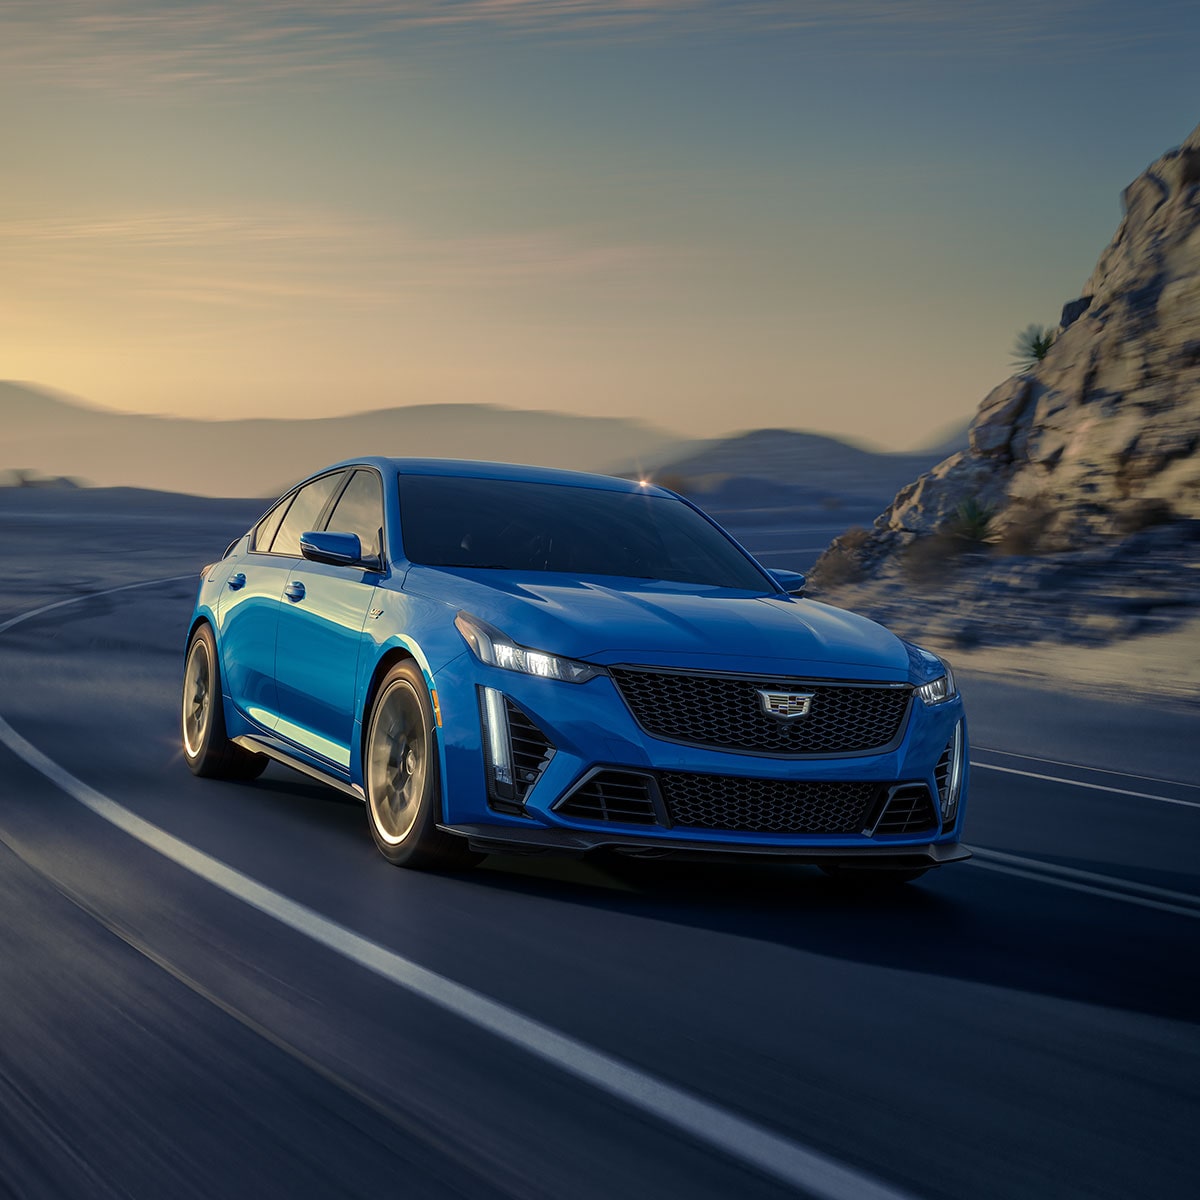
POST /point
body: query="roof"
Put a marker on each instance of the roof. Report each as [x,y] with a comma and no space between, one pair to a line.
[464,468]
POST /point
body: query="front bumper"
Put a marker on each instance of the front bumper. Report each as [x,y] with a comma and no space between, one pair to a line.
[590,726]
[505,839]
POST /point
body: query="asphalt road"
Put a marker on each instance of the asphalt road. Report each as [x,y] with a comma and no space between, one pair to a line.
[1023,1025]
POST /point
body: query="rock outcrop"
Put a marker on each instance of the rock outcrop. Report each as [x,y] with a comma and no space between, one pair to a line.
[1085,464]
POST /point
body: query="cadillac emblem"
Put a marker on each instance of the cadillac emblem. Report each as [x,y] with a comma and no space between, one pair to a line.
[786,705]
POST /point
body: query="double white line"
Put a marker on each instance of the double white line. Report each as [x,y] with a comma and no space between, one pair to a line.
[1142,894]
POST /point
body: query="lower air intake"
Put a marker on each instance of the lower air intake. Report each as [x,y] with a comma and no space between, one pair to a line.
[623,797]
[741,805]
[531,750]
[910,810]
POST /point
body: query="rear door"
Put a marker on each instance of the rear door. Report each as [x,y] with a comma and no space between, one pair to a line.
[321,626]
[248,611]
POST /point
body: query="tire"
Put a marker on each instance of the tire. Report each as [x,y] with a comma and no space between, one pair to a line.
[402,778]
[868,879]
[206,748]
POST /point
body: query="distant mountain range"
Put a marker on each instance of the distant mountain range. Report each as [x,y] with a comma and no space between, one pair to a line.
[44,433]
[50,434]
[802,464]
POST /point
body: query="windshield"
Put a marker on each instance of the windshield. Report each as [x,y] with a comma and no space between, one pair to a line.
[516,526]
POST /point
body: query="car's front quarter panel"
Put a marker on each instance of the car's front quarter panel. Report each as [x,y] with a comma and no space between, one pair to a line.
[401,624]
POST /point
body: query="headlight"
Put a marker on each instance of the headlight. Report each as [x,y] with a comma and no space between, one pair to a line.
[493,648]
[931,676]
[938,689]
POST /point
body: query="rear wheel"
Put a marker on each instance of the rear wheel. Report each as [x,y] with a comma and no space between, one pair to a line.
[206,748]
[403,786]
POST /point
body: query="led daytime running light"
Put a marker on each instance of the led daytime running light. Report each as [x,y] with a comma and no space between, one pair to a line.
[494,649]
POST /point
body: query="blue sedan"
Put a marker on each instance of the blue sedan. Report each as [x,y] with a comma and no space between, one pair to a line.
[513,659]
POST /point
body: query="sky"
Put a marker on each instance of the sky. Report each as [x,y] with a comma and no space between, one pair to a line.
[831,215]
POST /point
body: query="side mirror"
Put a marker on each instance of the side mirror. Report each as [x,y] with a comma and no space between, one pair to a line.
[336,549]
[792,582]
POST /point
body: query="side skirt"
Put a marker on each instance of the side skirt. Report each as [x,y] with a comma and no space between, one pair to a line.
[259,746]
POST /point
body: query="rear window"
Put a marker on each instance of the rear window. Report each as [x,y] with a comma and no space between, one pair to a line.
[265,530]
[518,526]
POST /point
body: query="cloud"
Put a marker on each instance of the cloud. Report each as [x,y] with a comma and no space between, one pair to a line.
[145,45]
[268,259]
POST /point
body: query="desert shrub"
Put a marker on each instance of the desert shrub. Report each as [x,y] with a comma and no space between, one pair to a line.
[1032,345]
[971,521]
[1023,527]
[1142,514]
[843,561]
[929,559]
[837,566]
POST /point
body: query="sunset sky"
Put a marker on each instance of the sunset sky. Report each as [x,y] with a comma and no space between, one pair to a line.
[831,215]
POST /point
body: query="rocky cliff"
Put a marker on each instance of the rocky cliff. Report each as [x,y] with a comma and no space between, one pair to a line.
[1075,508]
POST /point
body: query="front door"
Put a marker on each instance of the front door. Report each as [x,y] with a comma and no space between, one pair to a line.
[250,604]
[321,623]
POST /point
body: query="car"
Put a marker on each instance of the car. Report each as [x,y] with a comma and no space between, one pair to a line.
[515,659]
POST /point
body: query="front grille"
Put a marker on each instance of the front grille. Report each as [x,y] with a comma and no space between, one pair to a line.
[622,796]
[910,810]
[726,713]
[531,750]
[745,805]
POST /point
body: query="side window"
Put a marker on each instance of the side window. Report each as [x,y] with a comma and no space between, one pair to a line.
[265,530]
[360,510]
[304,513]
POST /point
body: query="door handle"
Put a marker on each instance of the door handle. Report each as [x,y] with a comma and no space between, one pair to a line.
[294,590]
[237,581]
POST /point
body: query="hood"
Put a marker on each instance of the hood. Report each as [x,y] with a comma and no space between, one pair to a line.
[608,620]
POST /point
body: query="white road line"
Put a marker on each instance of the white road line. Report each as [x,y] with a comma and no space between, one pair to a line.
[770,1153]
[1091,890]
[1125,887]
[1095,787]
[1058,762]
[125,587]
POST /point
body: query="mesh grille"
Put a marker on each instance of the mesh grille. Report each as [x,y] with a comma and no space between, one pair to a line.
[726,712]
[910,810]
[765,805]
[620,796]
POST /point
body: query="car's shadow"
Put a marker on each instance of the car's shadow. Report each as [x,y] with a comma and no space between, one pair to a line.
[957,921]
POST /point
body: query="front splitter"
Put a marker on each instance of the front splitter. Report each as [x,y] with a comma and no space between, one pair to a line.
[508,839]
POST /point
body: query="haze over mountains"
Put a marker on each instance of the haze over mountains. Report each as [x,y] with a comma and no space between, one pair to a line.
[53,435]
[48,434]
[807,462]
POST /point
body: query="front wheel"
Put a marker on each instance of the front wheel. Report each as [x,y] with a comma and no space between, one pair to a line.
[206,748]
[400,771]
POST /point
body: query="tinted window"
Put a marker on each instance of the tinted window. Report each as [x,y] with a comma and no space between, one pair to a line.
[304,513]
[265,530]
[517,526]
[360,510]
